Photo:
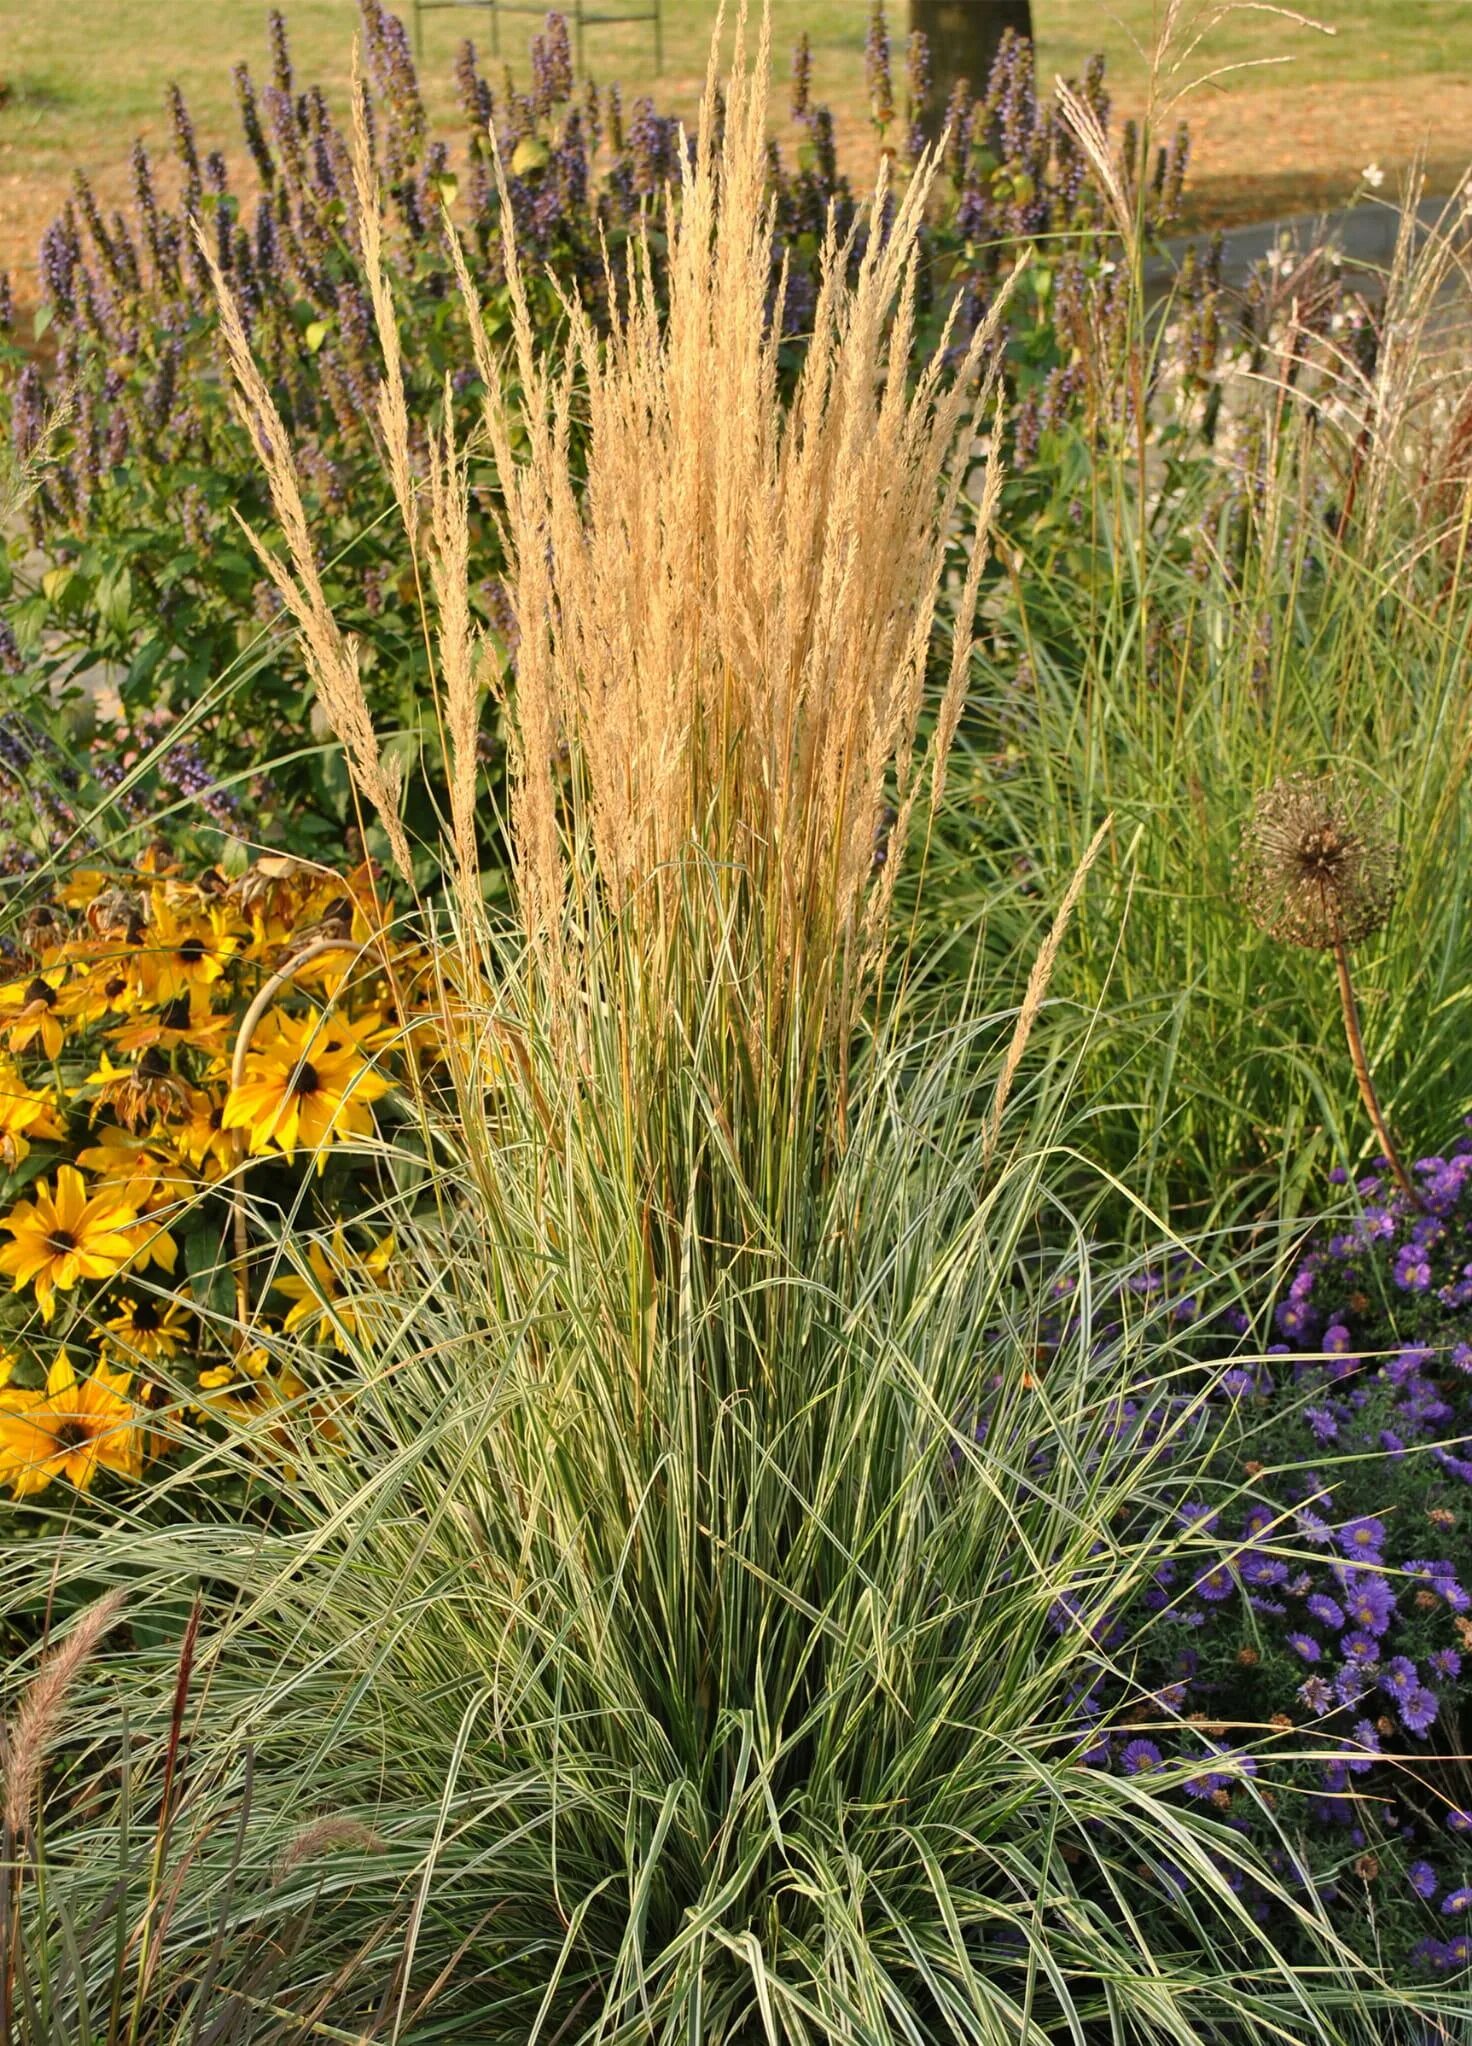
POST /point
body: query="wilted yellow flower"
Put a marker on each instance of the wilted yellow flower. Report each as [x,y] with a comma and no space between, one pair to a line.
[138,1093]
[307,1085]
[28,1013]
[71,1430]
[67,1236]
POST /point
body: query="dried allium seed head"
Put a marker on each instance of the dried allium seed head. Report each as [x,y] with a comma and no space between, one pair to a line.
[1318,866]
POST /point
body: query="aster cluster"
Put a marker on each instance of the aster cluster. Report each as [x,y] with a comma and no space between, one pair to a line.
[1318,1604]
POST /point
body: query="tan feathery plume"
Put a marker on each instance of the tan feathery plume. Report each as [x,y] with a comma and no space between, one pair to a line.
[321,1836]
[729,626]
[1036,992]
[332,658]
[38,1716]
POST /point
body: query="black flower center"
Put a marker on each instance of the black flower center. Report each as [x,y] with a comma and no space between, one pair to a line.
[40,991]
[307,1080]
[69,1434]
[192,951]
[114,988]
[146,1317]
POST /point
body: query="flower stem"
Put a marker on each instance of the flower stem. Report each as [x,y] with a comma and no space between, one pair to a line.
[1362,1073]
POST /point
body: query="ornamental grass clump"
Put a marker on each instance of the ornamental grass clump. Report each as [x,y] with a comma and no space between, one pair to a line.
[669,1632]
[1320,870]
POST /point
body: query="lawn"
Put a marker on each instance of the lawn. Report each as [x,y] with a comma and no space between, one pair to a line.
[1391,80]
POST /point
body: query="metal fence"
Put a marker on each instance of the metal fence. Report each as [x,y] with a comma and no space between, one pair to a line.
[580,15]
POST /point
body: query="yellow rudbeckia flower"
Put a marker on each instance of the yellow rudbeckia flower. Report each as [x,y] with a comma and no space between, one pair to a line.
[28,1013]
[63,1237]
[306,1086]
[73,1429]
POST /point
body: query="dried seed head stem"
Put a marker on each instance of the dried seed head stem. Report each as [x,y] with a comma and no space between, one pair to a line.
[1319,869]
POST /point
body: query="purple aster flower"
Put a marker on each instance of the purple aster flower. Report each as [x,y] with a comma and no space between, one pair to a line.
[1295,1318]
[1139,1756]
[1367,1736]
[1446,1662]
[1350,1684]
[1412,1271]
[1304,1645]
[1363,1537]
[1459,1821]
[1457,1953]
[1418,1712]
[1462,1357]
[1316,1694]
[1327,1611]
[1459,1899]
[1263,1569]
[1337,1339]
[1368,1601]
[1322,1422]
[1216,1584]
[1423,1879]
[1399,1678]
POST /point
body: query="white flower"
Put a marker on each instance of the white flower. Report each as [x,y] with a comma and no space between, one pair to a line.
[1373,176]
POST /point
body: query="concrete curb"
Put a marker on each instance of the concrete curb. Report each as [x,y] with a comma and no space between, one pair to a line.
[1366,234]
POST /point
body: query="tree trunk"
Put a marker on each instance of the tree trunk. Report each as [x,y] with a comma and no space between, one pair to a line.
[964,36]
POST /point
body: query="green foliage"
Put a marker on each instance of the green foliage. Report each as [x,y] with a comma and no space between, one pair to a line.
[661,1619]
[1174,631]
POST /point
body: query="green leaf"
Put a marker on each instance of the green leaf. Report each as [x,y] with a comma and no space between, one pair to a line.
[45,314]
[208,1268]
[315,335]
